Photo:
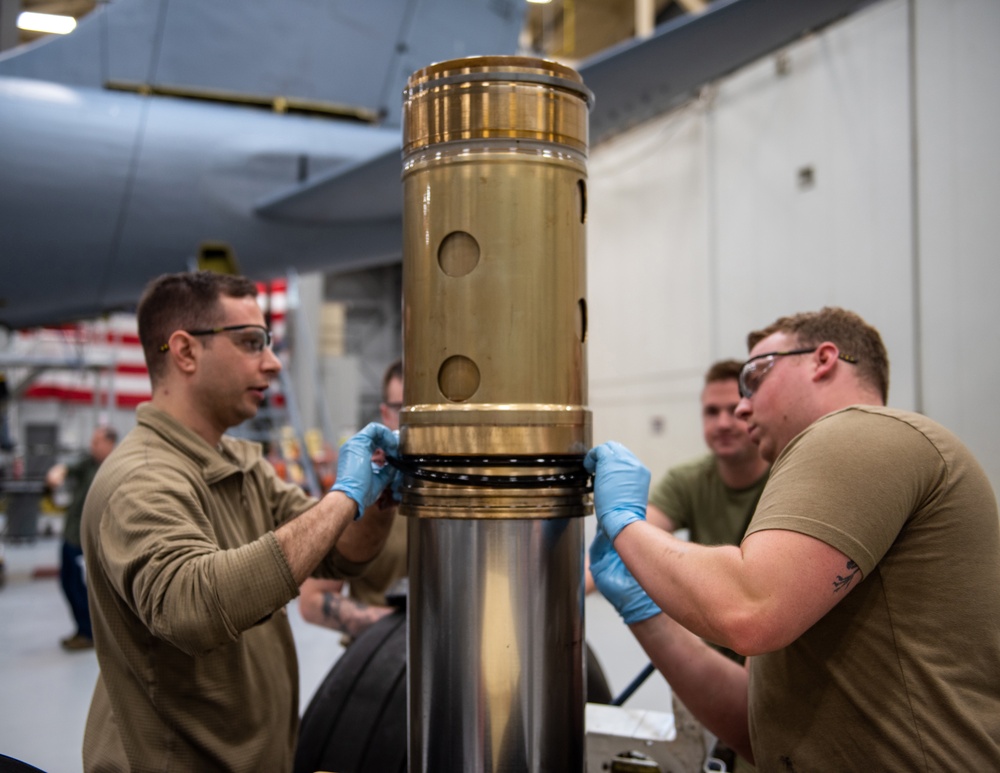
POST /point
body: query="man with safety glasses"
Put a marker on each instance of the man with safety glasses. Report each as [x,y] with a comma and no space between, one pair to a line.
[865,590]
[194,546]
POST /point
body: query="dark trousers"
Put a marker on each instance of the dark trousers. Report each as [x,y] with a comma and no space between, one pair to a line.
[75,588]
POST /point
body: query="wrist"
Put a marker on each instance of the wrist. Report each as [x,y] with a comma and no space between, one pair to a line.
[638,610]
[341,498]
[616,521]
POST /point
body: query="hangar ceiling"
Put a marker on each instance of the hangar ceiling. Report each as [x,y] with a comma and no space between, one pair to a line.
[568,30]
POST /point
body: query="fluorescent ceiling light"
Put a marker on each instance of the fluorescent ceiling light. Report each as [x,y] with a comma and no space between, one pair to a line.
[540,2]
[46,22]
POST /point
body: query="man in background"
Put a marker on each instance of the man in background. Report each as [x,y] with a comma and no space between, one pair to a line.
[323,602]
[78,478]
[714,496]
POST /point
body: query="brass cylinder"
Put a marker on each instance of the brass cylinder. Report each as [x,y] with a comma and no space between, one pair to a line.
[494,280]
[495,421]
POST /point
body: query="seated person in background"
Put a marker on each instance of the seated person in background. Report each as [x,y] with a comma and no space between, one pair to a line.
[714,496]
[323,602]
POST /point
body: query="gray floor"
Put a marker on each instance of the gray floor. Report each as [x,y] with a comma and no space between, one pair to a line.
[45,691]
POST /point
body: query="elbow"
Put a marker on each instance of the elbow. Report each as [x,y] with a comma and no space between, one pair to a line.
[192,634]
[310,611]
[753,632]
[195,640]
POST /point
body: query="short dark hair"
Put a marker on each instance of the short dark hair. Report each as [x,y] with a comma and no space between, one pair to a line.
[110,433]
[723,370]
[852,335]
[183,301]
[395,370]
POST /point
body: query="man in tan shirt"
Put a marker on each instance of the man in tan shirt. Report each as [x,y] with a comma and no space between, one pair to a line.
[194,546]
[864,591]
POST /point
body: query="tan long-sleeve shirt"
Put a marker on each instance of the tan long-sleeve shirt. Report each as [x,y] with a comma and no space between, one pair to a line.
[188,588]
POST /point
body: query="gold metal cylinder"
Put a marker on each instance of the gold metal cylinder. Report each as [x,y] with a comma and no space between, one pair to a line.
[494,281]
[495,393]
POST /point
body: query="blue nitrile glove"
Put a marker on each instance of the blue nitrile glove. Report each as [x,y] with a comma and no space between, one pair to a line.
[621,487]
[392,495]
[357,476]
[616,583]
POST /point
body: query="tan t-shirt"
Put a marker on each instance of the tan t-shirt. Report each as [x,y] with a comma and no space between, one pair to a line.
[694,497]
[904,673]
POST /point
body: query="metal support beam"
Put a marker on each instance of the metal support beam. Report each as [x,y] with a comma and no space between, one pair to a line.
[640,79]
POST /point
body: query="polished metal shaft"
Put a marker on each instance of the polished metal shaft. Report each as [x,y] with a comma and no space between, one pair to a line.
[495,419]
[495,635]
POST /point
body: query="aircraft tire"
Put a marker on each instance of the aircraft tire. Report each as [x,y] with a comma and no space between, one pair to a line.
[356,721]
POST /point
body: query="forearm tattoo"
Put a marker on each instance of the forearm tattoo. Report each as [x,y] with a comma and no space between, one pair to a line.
[843,581]
[348,616]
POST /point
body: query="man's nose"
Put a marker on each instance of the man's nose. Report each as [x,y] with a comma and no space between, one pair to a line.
[270,363]
[743,409]
[726,418]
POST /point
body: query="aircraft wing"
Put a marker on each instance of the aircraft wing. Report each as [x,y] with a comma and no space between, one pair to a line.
[367,189]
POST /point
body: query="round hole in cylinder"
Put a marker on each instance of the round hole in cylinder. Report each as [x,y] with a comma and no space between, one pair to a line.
[458,253]
[458,378]
[581,320]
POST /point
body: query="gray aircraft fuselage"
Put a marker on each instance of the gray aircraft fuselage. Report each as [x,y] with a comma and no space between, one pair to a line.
[159,129]
[100,190]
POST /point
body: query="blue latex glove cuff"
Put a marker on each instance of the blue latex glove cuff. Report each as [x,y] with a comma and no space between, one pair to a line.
[616,583]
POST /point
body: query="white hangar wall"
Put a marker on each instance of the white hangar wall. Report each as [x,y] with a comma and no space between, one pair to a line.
[855,168]
[958,117]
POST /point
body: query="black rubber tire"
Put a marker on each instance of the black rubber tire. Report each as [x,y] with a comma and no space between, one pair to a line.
[356,721]
[598,689]
[10,765]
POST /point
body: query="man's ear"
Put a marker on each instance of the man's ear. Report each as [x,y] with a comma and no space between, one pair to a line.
[183,351]
[826,358]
